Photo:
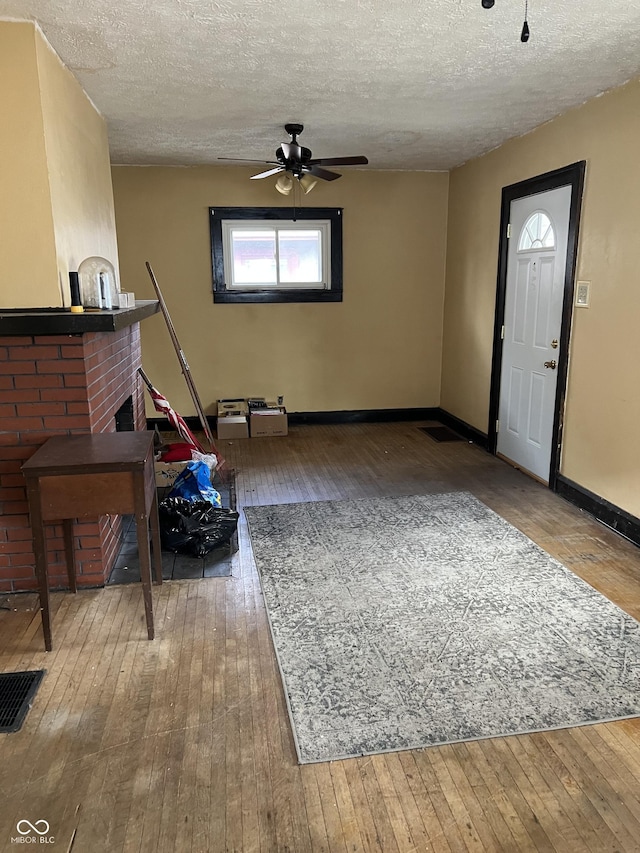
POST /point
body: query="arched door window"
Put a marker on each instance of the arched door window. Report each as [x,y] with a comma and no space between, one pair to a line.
[537,233]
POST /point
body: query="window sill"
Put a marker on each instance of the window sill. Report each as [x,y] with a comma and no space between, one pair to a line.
[262,296]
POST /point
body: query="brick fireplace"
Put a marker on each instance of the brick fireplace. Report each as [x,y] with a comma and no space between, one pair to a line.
[56,382]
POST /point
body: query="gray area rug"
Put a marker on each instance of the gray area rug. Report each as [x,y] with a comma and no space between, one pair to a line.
[407,622]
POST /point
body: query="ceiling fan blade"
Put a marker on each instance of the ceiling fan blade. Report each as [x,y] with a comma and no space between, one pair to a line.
[242,160]
[268,173]
[339,161]
[322,173]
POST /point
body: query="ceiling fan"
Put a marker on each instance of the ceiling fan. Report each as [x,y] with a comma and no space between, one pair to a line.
[295,161]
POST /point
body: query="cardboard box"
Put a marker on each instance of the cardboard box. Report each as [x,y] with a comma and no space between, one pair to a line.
[232,426]
[270,421]
[232,408]
[233,419]
[167,472]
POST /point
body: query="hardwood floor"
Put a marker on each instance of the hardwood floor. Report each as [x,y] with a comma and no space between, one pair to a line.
[183,744]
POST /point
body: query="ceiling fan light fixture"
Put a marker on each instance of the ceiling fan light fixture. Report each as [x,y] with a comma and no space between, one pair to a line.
[307,182]
[284,183]
[488,4]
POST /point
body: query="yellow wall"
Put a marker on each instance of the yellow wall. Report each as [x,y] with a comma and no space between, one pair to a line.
[56,205]
[379,348]
[27,248]
[601,451]
[77,150]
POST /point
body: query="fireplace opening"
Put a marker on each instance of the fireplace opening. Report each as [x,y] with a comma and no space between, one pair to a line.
[124,416]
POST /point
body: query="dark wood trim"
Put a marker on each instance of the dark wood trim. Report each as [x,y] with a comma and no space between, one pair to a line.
[192,421]
[222,297]
[60,321]
[572,175]
[359,416]
[363,416]
[220,293]
[610,515]
[462,428]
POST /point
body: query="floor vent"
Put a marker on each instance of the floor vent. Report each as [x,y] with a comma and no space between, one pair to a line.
[441,433]
[17,690]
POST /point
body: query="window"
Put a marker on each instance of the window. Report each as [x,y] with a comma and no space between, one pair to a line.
[537,233]
[259,256]
[263,254]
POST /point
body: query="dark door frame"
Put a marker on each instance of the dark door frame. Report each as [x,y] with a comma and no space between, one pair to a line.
[572,175]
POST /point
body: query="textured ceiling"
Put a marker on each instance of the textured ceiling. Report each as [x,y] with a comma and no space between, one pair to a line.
[426,84]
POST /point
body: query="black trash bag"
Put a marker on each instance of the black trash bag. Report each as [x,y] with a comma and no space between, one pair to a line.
[195,527]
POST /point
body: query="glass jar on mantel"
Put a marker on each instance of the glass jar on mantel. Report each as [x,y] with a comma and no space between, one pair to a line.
[98,284]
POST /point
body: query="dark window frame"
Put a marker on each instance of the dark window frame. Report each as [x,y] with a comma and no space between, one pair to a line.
[222,294]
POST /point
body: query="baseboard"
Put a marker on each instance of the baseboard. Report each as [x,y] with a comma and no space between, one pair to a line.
[609,514]
[462,428]
[363,416]
[357,416]
[192,421]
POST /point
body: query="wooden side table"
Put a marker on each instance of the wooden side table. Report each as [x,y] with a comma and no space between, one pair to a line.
[85,476]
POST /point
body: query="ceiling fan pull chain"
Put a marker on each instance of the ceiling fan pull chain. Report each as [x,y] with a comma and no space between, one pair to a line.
[524,35]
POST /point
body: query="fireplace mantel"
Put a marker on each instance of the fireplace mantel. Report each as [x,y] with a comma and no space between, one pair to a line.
[60,321]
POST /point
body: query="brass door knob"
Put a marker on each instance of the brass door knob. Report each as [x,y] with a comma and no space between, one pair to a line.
[550,364]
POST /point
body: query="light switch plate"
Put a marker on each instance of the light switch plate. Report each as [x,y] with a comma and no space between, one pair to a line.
[583,294]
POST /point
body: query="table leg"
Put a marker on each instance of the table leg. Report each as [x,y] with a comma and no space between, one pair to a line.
[67,526]
[155,538]
[144,552]
[40,553]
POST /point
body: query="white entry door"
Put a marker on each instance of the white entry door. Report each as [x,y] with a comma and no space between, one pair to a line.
[536,264]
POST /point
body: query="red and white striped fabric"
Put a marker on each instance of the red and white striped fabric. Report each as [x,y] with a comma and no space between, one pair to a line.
[163,406]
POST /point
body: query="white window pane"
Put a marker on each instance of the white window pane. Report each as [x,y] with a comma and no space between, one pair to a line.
[259,255]
[537,233]
[254,256]
[300,255]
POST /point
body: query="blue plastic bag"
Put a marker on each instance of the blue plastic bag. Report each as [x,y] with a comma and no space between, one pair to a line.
[194,484]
